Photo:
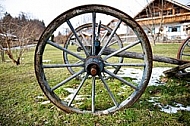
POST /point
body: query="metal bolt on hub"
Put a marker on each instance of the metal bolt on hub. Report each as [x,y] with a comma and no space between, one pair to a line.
[94,65]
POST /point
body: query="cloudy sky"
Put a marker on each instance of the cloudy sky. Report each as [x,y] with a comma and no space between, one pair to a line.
[47,10]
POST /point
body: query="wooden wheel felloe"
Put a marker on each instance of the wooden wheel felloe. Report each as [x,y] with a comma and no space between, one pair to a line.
[93,93]
[184,52]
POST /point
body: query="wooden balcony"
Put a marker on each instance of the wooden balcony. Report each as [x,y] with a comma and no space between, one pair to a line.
[166,19]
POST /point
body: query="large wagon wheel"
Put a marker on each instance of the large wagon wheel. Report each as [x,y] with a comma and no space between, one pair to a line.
[93,94]
[85,34]
[184,52]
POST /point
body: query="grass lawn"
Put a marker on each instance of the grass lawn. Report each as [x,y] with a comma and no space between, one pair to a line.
[21,99]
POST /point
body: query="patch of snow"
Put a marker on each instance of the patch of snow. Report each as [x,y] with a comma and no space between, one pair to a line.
[40,97]
[45,102]
[172,109]
[168,108]
[136,74]
[70,96]
[46,61]
[157,72]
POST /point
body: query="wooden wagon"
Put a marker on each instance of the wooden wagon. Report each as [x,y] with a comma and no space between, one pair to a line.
[87,71]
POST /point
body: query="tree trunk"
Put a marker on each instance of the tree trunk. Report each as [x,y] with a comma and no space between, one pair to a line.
[17,62]
[2,53]
[2,56]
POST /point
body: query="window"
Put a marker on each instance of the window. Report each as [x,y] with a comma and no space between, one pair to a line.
[164,12]
[174,29]
[156,14]
[186,28]
[169,12]
[153,31]
[177,10]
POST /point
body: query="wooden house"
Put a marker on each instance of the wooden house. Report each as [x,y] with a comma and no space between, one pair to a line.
[167,19]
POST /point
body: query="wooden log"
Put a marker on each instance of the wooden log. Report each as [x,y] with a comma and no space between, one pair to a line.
[135,55]
[178,71]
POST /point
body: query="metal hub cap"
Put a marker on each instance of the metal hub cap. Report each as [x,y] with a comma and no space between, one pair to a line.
[94,65]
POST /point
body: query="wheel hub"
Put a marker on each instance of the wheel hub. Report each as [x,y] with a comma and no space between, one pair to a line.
[94,65]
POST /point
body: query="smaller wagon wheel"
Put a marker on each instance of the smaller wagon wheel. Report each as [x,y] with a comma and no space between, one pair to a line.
[85,34]
[93,93]
[184,52]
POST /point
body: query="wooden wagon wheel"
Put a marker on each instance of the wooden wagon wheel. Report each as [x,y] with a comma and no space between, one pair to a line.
[184,53]
[85,35]
[93,94]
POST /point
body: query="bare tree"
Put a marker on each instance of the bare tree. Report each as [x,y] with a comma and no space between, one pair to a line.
[153,11]
[1,38]
[19,32]
[154,19]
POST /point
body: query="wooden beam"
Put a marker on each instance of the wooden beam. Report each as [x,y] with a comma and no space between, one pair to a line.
[166,19]
[135,55]
[175,71]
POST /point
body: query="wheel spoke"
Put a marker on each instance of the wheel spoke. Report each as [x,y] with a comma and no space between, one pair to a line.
[78,62]
[115,67]
[93,94]
[98,31]
[76,42]
[76,36]
[104,36]
[107,88]
[84,38]
[110,37]
[63,49]
[121,79]
[121,50]
[66,80]
[62,65]
[93,32]
[110,44]
[125,64]
[79,87]
[184,54]
[188,44]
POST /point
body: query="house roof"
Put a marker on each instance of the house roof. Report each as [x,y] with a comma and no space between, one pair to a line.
[171,1]
[179,4]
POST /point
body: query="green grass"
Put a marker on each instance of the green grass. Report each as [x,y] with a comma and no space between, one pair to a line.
[166,50]
[20,105]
